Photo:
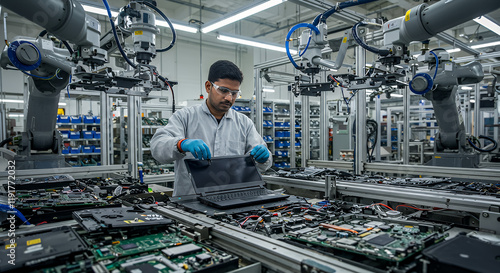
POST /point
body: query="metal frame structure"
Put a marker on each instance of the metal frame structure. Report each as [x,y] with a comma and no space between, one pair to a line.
[273,254]
[434,198]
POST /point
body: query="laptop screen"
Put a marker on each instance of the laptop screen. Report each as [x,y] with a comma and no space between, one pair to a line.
[224,173]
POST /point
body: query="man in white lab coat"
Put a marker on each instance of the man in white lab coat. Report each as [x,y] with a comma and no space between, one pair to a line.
[210,129]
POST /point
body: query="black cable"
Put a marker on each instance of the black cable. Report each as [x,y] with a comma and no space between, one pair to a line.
[42,33]
[495,144]
[372,123]
[381,52]
[5,141]
[68,47]
[174,35]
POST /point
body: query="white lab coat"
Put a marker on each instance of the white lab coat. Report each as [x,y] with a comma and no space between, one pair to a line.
[234,135]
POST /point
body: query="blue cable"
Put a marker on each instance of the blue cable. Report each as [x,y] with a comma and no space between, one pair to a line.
[307,46]
[108,9]
[7,208]
[437,64]
[292,30]
[40,77]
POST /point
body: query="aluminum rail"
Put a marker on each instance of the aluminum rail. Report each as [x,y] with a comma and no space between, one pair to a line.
[470,173]
[342,165]
[274,254]
[161,178]
[75,172]
[409,195]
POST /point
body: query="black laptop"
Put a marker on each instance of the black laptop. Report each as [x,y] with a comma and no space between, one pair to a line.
[229,182]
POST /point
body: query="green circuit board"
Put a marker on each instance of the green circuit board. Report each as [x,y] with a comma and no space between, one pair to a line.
[378,239]
[138,245]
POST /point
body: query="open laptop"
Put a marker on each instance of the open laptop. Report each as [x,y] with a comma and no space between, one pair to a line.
[229,182]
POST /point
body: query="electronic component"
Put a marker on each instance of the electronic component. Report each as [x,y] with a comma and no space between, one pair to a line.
[461,254]
[114,218]
[41,249]
[181,250]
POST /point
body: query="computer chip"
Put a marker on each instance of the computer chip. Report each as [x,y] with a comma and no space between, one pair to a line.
[128,246]
[381,240]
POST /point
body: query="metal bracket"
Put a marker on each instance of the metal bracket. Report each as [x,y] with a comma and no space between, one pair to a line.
[490,221]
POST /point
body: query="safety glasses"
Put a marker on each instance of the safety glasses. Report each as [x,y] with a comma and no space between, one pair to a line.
[223,91]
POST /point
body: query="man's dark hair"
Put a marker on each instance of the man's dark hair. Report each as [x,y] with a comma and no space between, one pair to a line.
[224,69]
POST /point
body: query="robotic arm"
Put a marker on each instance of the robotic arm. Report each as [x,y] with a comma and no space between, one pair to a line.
[50,67]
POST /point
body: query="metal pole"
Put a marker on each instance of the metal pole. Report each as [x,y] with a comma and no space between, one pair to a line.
[106,130]
[293,150]
[259,104]
[360,152]
[495,118]
[132,113]
[323,128]
[378,118]
[306,134]
[406,127]
[477,116]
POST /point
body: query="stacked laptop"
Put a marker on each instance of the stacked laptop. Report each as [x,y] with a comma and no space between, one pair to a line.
[229,182]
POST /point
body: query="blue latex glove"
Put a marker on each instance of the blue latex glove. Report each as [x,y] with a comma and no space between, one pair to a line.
[197,147]
[260,153]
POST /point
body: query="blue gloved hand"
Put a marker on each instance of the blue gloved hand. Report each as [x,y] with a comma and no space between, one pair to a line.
[197,147]
[260,153]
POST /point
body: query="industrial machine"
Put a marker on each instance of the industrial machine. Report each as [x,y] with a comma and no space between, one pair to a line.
[437,82]
[81,64]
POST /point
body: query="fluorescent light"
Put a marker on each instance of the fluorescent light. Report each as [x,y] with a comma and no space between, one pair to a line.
[177,26]
[240,15]
[472,101]
[100,11]
[62,104]
[268,89]
[486,45]
[453,50]
[12,101]
[254,43]
[466,88]
[487,23]
[16,115]
[396,95]
[159,22]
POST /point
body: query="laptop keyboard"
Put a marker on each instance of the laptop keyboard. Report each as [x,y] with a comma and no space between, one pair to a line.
[237,195]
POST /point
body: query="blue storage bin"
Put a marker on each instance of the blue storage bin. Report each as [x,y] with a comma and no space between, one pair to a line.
[279,144]
[247,109]
[96,134]
[299,134]
[74,135]
[75,150]
[287,133]
[287,144]
[63,119]
[76,119]
[88,149]
[88,119]
[279,134]
[286,124]
[65,151]
[97,119]
[65,134]
[97,149]
[87,134]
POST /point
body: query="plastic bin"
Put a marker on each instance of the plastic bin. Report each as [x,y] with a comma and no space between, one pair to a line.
[97,119]
[88,119]
[279,134]
[87,149]
[63,119]
[65,151]
[97,149]
[76,119]
[65,134]
[88,162]
[75,150]
[96,134]
[74,135]
[87,134]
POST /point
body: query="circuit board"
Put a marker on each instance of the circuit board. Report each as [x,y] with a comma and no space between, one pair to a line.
[164,252]
[379,239]
[137,245]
